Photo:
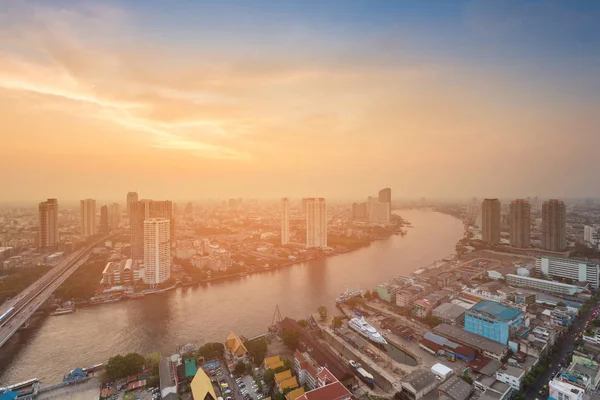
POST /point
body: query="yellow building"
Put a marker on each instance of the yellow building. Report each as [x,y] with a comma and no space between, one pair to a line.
[294,394]
[272,362]
[235,346]
[201,386]
[282,376]
[290,383]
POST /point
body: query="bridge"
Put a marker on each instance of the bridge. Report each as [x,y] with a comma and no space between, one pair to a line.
[16,311]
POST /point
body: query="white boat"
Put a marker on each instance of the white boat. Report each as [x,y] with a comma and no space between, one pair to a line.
[364,329]
[348,294]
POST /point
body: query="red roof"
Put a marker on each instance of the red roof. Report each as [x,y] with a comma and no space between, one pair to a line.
[335,391]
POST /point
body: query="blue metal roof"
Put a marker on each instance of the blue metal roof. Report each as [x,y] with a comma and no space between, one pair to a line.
[9,396]
[496,310]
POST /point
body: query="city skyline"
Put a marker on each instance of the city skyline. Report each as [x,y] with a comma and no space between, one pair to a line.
[450,89]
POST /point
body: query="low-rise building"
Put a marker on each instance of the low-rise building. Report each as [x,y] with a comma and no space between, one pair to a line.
[593,338]
[436,344]
[450,313]
[406,297]
[492,320]
[487,347]
[418,384]
[456,388]
[512,376]
[562,390]
[544,285]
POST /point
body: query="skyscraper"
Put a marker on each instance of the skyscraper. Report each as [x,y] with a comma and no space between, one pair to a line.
[285,221]
[554,225]
[132,197]
[104,224]
[88,217]
[316,222]
[520,223]
[114,215]
[490,221]
[48,213]
[385,196]
[304,203]
[359,211]
[140,211]
[157,250]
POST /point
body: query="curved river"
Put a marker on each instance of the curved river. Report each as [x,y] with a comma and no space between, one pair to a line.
[208,313]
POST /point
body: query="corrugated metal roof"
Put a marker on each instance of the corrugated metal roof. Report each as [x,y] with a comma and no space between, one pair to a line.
[496,309]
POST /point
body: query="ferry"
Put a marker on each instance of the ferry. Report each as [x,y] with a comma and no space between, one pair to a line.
[347,295]
[66,308]
[361,326]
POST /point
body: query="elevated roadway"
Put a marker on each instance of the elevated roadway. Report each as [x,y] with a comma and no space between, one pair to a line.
[16,311]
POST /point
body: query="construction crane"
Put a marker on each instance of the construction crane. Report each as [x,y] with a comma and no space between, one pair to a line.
[275,320]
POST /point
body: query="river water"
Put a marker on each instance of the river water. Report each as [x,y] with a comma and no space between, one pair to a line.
[208,313]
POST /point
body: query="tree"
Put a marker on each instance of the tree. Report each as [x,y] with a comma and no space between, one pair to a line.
[355,302]
[560,304]
[291,338]
[269,376]
[120,366]
[337,322]
[257,349]
[322,312]
[368,295]
[467,379]
[135,363]
[211,350]
[303,323]
[240,368]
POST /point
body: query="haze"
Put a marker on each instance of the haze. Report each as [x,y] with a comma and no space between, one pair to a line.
[206,99]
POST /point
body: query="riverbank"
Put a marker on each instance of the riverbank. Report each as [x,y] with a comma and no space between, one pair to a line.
[208,312]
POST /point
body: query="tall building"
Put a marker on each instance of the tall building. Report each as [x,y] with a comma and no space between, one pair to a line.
[88,217]
[304,203]
[114,215]
[285,221]
[554,225]
[132,197]
[359,211]
[490,221]
[316,222]
[157,250]
[104,224]
[385,196]
[48,213]
[520,223]
[141,211]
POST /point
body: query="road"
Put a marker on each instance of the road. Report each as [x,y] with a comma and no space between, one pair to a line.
[26,303]
[566,345]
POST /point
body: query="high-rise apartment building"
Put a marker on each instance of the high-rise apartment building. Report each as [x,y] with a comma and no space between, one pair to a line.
[554,225]
[385,196]
[285,221]
[359,211]
[304,203]
[114,215]
[132,197]
[88,217]
[490,221]
[141,211]
[316,223]
[104,221]
[520,223]
[48,213]
[157,250]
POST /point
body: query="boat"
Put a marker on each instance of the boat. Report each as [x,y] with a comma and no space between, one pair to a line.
[347,295]
[66,308]
[363,374]
[361,326]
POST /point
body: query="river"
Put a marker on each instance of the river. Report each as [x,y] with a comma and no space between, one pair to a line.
[208,313]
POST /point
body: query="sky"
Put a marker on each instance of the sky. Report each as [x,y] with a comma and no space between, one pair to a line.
[215,99]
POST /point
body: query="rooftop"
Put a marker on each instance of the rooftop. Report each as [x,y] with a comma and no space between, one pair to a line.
[449,310]
[335,391]
[456,388]
[512,371]
[470,339]
[496,310]
[419,379]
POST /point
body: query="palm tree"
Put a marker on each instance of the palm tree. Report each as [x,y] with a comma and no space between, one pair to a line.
[322,312]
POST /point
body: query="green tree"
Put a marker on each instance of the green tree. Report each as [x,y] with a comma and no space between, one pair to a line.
[291,338]
[303,323]
[269,376]
[322,312]
[211,350]
[467,379]
[368,295]
[135,363]
[337,322]
[240,368]
[115,367]
[257,350]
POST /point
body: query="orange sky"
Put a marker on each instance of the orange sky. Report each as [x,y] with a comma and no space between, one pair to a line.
[92,104]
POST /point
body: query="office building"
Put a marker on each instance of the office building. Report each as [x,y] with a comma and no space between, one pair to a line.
[492,320]
[114,216]
[379,213]
[543,285]
[490,221]
[88,217]
[520,223]
[48,214]
[554,225]
[385,196]
[590,235]
[104,224]
[316,223]
[285,221]
[141,211]
[132,197]
[157,250]
[576,270]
